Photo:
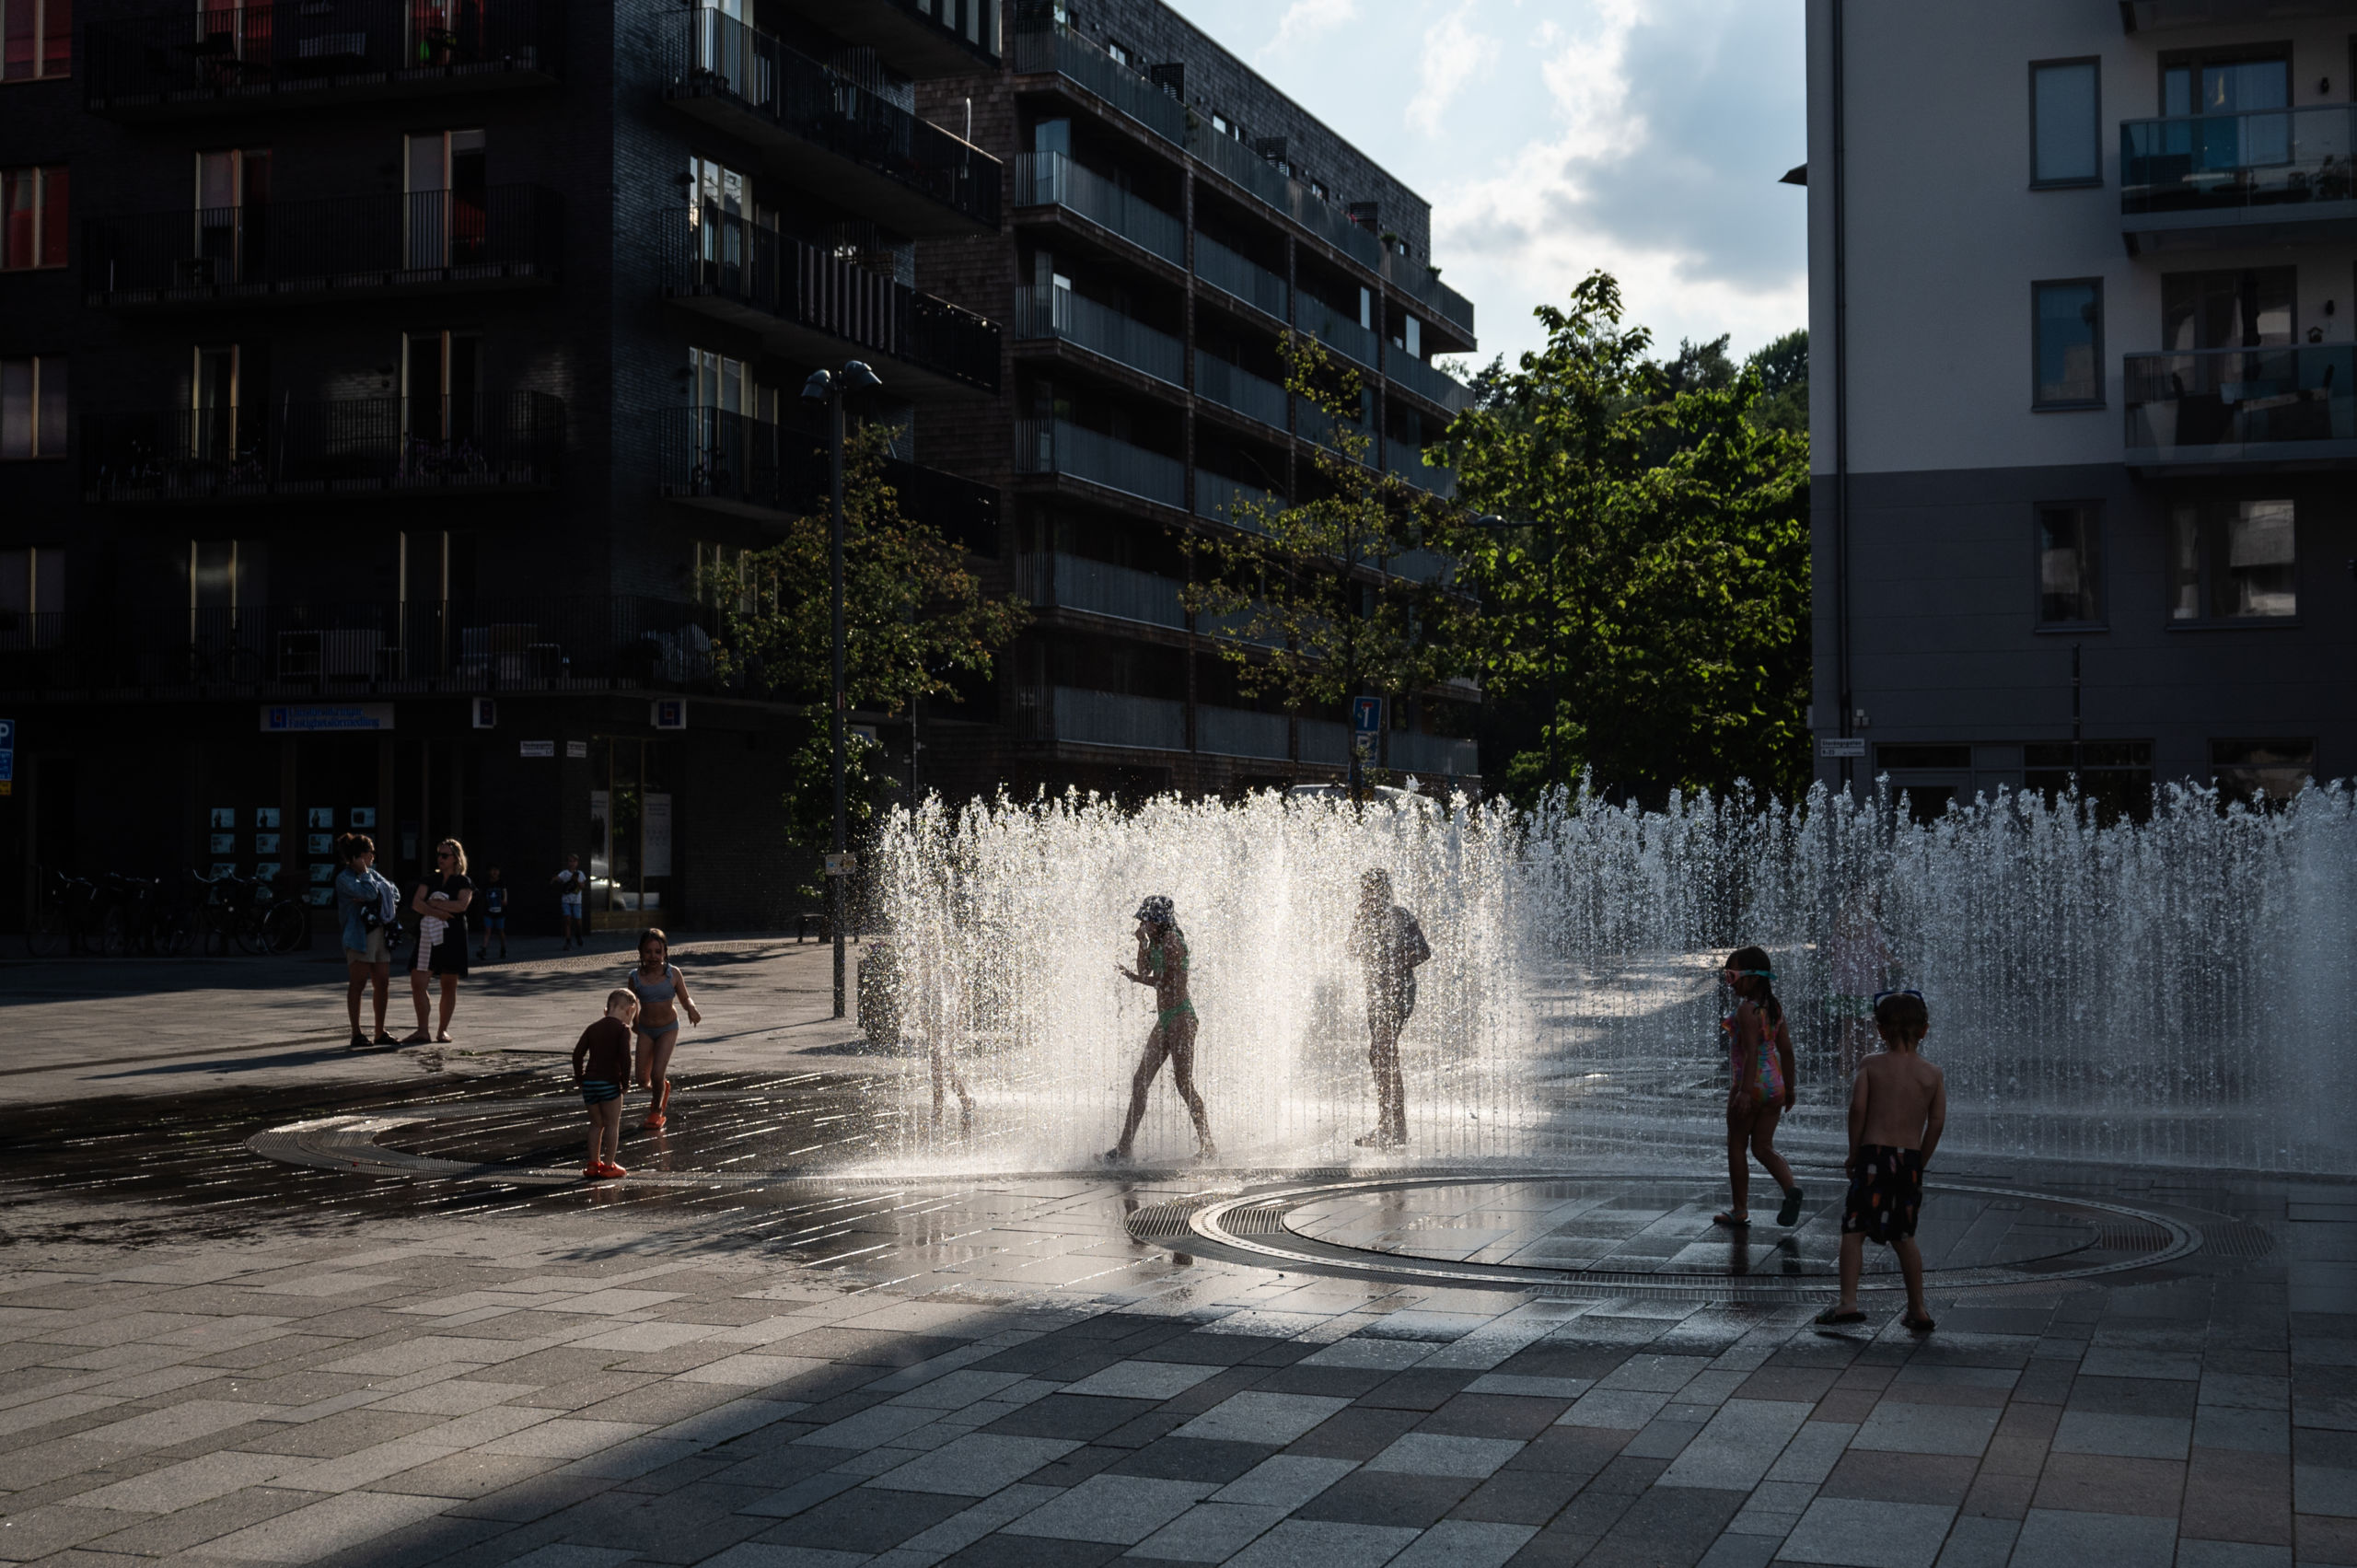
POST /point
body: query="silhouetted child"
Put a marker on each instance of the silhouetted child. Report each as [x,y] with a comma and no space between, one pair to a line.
[1761,1072]
[494,914]
[1898,1107]
[601,1066]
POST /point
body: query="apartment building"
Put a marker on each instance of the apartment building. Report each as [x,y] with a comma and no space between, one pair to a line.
[376,375]
[2083,280]
[1170,214]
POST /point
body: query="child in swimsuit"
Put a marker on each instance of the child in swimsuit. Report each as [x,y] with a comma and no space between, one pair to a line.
[1162,964]
[1899,1106]
[662,992]
[1760,1051]
[600,1063]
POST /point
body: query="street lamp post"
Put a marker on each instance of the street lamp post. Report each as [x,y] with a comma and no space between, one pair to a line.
[833,391]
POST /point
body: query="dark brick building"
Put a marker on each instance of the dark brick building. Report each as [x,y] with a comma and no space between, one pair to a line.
[378,376]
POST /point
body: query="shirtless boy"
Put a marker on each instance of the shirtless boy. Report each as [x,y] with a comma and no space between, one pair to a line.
[1898,1108]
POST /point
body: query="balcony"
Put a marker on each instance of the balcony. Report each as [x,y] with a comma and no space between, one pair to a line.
[921,38]
[1051,180]
[1062,315]
[1233,388]
[2153,16]
[762,471]
[1427,755]
[1225,500]
[219,58]
[1434,385]
[1279,192]
[1237,732]
[812,306]
[2263,177]
[1059,447]
[1422,283]
[1245,281]
[1340,333]
[824,131]
[1100,588]
[366,649]
[310,450]
[1315,424]
[1072,715]
[422,242]
[1054,51]
[1403,461]
[2237,408]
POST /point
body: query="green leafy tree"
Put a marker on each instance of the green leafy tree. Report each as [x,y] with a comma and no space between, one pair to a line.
[1651,599]
[1319,598]
[1783,384]
[870,789]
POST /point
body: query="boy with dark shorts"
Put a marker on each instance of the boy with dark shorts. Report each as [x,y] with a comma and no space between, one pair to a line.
[601,1066]
[1899,1106]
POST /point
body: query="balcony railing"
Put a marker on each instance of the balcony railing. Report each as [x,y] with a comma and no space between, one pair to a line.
[1059,447]
[1232,387]
[1232,274]
[355,650]
[1053,49]
[1416,279]
[1325,740]
[2243,405]
[737,463]
[1101,329]
[361,446]
[500,235]
[1315,424]
[723,258]
[1216,497]
[1431,754]
[923,39]
[1100,588]
[1101,718]
[2223,162]
[245,57]
[1434,385]
[1051,180]
[1279,190]
[1235,732]
[1406,461]
[1338,332]
[714,56]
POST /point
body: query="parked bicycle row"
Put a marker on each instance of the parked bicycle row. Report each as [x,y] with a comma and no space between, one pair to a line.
[116,916]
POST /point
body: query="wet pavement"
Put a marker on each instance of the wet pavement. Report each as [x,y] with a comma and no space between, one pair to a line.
[362,1311]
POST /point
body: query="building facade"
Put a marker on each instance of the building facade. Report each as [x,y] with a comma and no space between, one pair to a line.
[2084,383]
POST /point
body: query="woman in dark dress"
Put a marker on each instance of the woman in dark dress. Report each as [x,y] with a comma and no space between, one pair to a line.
[440,903]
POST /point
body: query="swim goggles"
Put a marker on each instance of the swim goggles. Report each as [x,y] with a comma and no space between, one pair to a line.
[1883,996]
[1763,974]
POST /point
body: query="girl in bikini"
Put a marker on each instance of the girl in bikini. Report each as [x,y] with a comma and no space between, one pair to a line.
[1162,964]
[1760,1051]
[662,992]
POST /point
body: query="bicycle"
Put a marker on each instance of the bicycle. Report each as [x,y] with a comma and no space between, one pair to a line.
[53,929]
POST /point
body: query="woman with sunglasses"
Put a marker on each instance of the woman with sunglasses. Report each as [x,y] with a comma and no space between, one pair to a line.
[440,903]
[1760,1051]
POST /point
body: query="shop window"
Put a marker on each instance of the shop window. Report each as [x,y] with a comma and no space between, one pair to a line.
[32,406]
[2069,565]
[2263,770]
[2115,777]
[32,217]
[2234,561]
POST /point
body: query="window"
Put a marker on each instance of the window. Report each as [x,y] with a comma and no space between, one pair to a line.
[224,575]
[32,217]
[2065,111]
[32,407]
[2069,565]
[2245,770]
[2234,561]
[38,36]
[2237,308]
[2115,775]
[2194,84]
[32,582]
[728,385]
[1120,52]
[2067,322]
[447,174]
[1888,757]
[442,383]
[1220,125]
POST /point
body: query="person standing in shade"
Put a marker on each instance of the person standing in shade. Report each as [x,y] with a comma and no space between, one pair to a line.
[1388,944]
[572,886]
[1162,964]
[440,903]
[368,904]
[495,915]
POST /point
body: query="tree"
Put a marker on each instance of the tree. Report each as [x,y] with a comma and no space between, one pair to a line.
[1654,604]
[1321,599]
[1783,384]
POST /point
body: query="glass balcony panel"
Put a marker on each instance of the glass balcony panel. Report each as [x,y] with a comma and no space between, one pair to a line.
[2296,404]
[1059,447]
[2274,157]
[1100,329]
[1043,180]
[1232,387]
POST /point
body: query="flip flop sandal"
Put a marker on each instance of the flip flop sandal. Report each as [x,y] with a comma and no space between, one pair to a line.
[1732,1222]
[1790,1210]
[1915,1325]
[1833,1315]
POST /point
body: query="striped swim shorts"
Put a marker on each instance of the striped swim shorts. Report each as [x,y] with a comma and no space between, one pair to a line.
[597,1091]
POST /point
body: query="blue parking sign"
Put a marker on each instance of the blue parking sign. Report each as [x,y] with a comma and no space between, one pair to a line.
[1366,714]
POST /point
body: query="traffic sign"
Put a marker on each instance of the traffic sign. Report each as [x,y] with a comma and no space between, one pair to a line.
[1366,715]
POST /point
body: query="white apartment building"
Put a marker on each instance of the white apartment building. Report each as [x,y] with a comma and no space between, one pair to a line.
[2083,284]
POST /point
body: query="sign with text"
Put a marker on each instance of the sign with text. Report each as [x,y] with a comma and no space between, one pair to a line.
[535,748]
[312,718]
[1842,746]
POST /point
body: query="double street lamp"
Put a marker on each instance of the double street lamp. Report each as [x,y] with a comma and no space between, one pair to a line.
[834,389]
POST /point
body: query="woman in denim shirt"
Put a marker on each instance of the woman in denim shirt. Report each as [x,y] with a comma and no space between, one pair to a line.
[366,953]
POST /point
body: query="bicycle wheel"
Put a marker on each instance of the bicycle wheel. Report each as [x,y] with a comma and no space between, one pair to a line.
[47,937]
[245,928]
[176,934]
[114,931]
[284,927]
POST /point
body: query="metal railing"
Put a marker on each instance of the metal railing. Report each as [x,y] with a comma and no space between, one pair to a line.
[358,446]
[502,234]
[242,56]
[1340,333]
[1101,718]
[1100,588]
[1232,386]
[720,254]
[1239,163]
[1315,424]
[1100,329]
[1234,274]
[718,54]
[354,650]
[1053,180]
[2251,404]
[2223,162]
[1054,48]
[1432,385]
[1430,754]
[1236,732]
[1216,496]
[712,455]
[1327,741]
[1056,446]
[1407,462]
[1419,281]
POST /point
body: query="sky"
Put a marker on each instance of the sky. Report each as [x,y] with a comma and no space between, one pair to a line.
[1555,136]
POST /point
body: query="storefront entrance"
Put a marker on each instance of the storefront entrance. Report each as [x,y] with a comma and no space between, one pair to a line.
[632,834]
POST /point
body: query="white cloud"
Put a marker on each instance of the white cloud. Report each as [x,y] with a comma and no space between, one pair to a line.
[1454,55]
[1304,21]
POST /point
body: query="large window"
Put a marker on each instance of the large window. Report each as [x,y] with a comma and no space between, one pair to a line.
[2237,307]
[2067,327]
[2070,564]
[2225,82]
[2065,114]
[2234,561]
[39,39]
[2116,776]
[32,406]
[2246,770]
[32,217]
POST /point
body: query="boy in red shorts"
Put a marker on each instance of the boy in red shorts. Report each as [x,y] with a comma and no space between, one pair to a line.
[1899,1106]
[601,1066]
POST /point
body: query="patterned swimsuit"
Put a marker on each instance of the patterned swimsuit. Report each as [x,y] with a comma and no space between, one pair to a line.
[1768,1078]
